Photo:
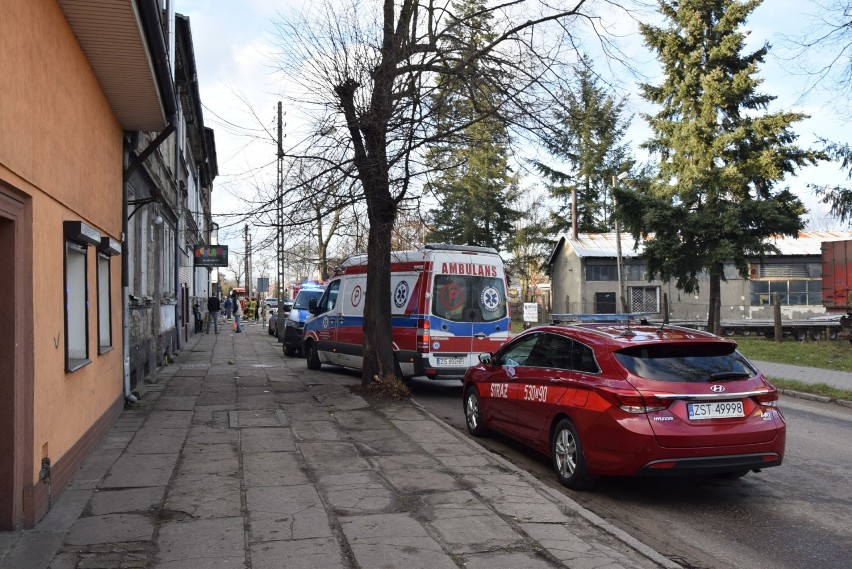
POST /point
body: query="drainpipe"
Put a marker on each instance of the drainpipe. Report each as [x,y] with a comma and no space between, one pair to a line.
[178,222]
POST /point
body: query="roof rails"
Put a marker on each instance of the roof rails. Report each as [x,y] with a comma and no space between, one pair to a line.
[621,317]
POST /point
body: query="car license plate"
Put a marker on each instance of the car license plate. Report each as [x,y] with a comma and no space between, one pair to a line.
[716,410]
[450,361]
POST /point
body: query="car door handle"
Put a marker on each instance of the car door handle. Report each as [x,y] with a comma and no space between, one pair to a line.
[480,335]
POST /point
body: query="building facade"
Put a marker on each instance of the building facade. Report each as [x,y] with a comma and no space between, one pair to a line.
[585,280]
[168,208]
[89,100]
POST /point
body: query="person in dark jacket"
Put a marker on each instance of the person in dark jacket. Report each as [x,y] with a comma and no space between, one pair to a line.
[213,308]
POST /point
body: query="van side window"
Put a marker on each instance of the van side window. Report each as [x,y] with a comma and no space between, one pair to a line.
[329,298]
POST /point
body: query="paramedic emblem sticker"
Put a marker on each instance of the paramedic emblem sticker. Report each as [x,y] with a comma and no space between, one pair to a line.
[490,298]
[356,296]
[400,294]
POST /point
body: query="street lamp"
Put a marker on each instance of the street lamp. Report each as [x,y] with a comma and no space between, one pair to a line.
[619,260]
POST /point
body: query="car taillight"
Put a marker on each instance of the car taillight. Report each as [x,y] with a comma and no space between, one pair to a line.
[768,399]
[631,401]
[423,340]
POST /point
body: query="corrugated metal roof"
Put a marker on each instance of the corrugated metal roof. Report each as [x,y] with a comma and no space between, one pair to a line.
[809,242]
[604,244]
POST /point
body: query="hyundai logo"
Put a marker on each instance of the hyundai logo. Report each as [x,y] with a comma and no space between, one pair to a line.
[717,388]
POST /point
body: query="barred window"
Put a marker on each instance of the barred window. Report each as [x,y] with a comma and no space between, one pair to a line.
[644,298]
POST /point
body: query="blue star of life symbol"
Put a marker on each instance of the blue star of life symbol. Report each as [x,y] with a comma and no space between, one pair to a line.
[490,298]
[400,294]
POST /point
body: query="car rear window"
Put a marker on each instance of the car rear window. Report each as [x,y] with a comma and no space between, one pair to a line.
[468,298]
[690,363]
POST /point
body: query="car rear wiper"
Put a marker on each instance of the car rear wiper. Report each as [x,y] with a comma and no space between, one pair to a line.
[723,375]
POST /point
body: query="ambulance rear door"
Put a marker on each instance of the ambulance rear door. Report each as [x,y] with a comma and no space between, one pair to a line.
[469,313]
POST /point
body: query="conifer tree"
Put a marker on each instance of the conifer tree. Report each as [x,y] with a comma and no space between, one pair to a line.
[720,152]
[474,184]
[586,135]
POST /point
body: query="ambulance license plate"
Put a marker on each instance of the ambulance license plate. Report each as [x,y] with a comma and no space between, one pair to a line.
[450,361]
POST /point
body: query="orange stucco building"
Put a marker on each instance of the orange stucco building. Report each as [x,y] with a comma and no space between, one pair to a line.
[72,88]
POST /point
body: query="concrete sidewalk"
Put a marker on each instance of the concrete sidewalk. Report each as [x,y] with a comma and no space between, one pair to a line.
[238,457]
[810,375]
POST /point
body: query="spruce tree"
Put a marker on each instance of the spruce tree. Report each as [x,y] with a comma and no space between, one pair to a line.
[473,181]
[586,134]
[720,152]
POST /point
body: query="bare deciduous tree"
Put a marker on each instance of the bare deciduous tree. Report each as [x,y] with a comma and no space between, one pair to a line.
[366,71]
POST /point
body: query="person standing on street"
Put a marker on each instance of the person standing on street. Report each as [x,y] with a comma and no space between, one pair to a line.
[238,314]
[228,306]
[213,308]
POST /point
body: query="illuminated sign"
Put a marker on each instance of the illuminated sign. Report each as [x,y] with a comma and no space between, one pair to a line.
[211,256]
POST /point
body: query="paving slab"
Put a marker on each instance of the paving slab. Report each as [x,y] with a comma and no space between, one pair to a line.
[392,541]
[204,496]
[466,525]
[111,528]
[273,469]
[126,500]
[138,470]
[286,513]
[321,553]
[155,440]
[208,543]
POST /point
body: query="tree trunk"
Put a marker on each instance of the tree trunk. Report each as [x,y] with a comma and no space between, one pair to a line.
[378,337]
[713,314]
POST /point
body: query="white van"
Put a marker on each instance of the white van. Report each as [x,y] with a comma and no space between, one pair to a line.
[448,306]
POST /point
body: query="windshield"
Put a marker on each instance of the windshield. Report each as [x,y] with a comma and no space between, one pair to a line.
[304,297]
[691,363]
[466,298]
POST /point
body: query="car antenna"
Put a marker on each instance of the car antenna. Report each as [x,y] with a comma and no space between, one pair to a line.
[628,333]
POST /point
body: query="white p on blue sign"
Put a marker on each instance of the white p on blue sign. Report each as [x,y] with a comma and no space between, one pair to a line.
[530,312]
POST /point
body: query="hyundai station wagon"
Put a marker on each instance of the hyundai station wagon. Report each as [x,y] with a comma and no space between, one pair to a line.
[605,399]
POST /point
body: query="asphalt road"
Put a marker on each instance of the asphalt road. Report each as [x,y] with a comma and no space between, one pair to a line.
[793,516]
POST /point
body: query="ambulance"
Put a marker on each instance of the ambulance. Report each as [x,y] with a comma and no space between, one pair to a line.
[448,305]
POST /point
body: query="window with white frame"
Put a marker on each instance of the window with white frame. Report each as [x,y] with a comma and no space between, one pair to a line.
[76,306]
[104,304]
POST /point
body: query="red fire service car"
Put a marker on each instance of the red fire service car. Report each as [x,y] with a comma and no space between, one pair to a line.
[623,400]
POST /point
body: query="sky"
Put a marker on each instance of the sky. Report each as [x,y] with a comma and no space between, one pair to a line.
[234,44]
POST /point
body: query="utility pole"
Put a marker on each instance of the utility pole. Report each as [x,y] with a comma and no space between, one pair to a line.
[619,260]
[280,246]
[247,259]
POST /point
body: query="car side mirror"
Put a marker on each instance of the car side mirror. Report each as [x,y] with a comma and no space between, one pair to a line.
[485,359]
[313,306]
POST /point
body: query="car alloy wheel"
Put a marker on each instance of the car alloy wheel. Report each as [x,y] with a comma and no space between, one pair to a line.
[567,454]
[473,413]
